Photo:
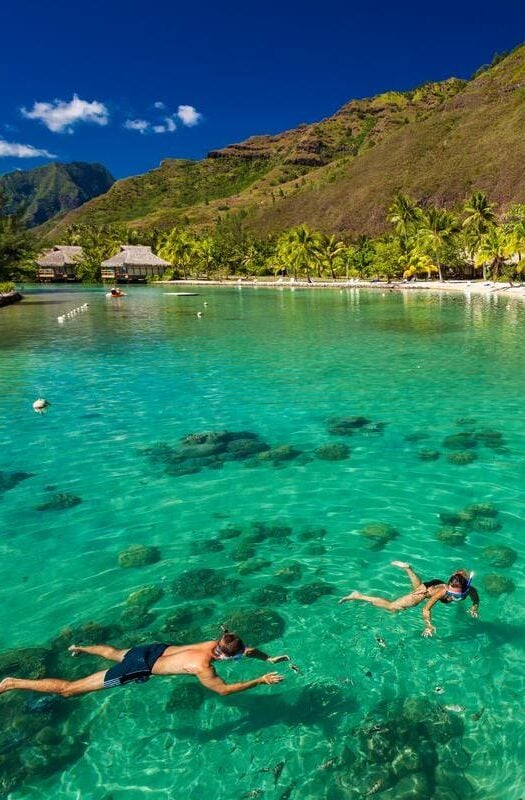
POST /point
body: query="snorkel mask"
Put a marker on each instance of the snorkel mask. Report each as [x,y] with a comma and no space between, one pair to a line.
[457,596]
[220,654]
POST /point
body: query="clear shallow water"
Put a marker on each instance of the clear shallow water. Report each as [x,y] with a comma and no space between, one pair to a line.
[126,374]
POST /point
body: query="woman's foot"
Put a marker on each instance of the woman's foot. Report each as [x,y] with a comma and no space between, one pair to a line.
[400,564]
[353,596]
[6,684]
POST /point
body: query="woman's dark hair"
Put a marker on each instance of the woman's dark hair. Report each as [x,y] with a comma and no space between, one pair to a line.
[230,644]
[459,580]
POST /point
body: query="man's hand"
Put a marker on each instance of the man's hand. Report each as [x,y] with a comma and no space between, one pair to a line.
[271,677]
[473,611]
[429,631]
[278,659]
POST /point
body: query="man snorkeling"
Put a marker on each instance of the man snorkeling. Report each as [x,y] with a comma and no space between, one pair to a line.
[457,588]
[138,663]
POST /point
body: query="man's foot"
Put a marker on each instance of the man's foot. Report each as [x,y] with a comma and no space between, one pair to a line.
[353,596]
[5,685]
[400,564]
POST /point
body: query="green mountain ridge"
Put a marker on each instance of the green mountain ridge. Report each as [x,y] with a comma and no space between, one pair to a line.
[54,188]
[437,143]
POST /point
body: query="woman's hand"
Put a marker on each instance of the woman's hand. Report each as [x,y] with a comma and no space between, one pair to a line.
[429,631]
[473,611]
[278,659]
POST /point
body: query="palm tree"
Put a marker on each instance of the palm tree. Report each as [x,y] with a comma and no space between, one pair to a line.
[360,256]
[298,249]
[178,248]
[331,252]
[480,217]
[436,230]
[205,254]
[496,245]
[479,212]
[403,214]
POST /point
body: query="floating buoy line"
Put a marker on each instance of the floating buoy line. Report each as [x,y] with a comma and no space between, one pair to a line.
[73,313]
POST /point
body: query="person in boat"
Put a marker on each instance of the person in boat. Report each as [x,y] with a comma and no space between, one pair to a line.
[137,664]
[457,588]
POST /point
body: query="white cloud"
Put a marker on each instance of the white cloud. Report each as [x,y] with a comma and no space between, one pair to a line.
[168,126]
[60,116]
[16,150]
[188,115]
[140,125]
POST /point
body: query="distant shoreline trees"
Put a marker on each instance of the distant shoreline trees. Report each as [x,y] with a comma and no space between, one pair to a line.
[17,244]
[424,241]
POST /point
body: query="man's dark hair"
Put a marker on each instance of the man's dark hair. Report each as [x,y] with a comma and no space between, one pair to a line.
[459,581]
[230,644]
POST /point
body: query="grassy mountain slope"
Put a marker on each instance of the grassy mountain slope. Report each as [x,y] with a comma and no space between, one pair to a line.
[437,143]
[53,188]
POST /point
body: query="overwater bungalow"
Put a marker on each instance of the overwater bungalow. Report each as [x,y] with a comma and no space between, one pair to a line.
[133,263]
[59,263]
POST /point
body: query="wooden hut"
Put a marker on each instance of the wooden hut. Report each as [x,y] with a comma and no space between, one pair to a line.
[133,263]
[59,263]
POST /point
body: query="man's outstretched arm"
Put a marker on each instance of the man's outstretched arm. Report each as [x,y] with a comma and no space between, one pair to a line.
[253,652]
[209,678]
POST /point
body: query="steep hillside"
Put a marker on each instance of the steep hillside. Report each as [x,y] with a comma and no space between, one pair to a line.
[437,143]
[54,188]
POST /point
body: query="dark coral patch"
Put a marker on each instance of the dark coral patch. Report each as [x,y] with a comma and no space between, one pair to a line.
[195,584]
[499,555]
[496,585]
[332,452]
[379,534]
[59,502]
[256,625]
[345,426]
[311,592]
[138,555]
[272,594]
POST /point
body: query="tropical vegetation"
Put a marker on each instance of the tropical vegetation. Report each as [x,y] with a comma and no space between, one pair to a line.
[423,241]
[17,245]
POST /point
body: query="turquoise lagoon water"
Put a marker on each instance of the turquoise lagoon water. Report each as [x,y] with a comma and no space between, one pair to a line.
[376,711]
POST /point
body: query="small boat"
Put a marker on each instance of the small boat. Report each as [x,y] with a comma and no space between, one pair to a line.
[181,294]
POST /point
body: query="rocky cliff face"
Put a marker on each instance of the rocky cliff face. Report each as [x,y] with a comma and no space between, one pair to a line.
[438,143]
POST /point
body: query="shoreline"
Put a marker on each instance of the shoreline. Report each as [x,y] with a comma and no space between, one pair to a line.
[479,287]
[8,298]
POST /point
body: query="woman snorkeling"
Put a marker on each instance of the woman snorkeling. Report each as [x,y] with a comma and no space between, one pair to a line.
[457,588]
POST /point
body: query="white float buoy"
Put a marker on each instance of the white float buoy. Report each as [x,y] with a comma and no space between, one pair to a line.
[40,406]
[60,320]
[199,313]
[205,304]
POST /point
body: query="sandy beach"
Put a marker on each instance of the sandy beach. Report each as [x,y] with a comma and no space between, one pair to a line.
[478,287]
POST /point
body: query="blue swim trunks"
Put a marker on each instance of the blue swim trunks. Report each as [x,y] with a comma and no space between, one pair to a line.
[135,666]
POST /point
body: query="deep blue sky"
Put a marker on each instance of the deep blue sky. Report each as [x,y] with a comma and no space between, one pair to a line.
[246,68]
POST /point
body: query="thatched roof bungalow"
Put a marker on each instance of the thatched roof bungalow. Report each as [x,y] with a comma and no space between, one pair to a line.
[133,263]
[59,263]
